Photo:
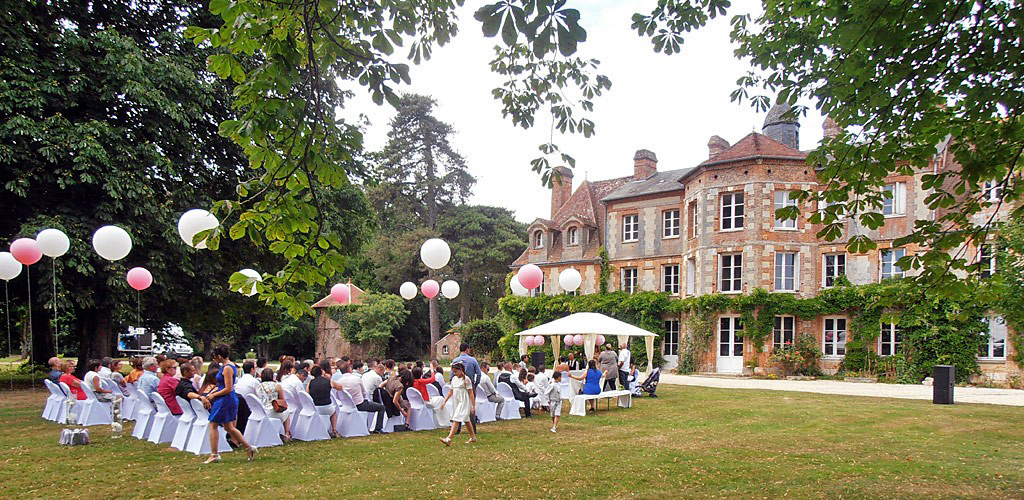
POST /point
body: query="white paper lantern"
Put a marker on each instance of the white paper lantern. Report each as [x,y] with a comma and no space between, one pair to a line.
[569,279]
[53,242]
[450,289]
[10,268]
[435,253]
[408,290]
[112,242]
[192,223]
[517,288]
[253,275]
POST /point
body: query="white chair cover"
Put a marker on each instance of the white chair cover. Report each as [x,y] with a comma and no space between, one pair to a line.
[421,417]
[510,410]
[432,391]
[486,411]
[351,421]
[260,430]
[164,423]
[306,422]
[184,426]
[199,436]
[53,401]
[143,416]
[94,411]
[65,396]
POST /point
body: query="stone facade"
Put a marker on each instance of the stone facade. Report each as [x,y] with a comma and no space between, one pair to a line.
[448,347]
[678,231]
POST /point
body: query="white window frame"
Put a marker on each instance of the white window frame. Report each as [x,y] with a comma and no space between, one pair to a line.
[997,338]
[536,292]
[781,332]
[630,228]
[735,279]
[991,190]
[894,205]
[670,347]
[670,222]
[444,349]
[538,239]
[782,200]
[893,255]
[836,344]
[735,329]
[572,236]
[891,336]
[692,218]
[794,272]
[986,260]
[735,220]
[632,285]
[691,276]
[670,280]
[833,271]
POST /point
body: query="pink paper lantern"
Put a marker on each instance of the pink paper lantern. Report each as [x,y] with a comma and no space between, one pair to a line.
[430,289]
[567,340]
[577,339]
[26,251]
[529,340]
[538,340]
[600,340]
[139,278]
[530,276]
[341,293]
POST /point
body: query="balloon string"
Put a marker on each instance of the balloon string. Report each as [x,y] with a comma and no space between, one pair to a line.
[56,330]
[28,274]
[138,307]
[10,353]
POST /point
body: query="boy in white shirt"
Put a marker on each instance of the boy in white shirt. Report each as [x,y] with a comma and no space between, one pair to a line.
[554,395]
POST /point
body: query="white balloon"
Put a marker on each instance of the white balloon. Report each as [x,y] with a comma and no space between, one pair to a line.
[408,290]
[53,242]
[518,288]
[569,279]
[192,223]
[10,268]
[450,289]
[252,274]
[112,242]
[435,253]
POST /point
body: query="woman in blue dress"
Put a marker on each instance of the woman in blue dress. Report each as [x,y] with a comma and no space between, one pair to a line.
[224,406]
[592,381]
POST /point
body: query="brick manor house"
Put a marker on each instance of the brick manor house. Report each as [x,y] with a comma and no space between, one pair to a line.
[711,228]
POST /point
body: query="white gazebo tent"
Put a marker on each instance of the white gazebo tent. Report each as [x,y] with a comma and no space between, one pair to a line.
[590,325]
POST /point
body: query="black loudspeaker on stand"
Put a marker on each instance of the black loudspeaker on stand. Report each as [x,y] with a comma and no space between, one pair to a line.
[537,360]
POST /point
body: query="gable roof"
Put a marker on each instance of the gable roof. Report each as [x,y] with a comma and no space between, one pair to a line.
[356,295]
[661,182]
[755,145]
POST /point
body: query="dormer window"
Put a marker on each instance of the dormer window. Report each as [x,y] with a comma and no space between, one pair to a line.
[538,239]
[573,236]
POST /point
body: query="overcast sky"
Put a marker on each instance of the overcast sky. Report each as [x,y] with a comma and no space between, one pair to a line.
[668,104]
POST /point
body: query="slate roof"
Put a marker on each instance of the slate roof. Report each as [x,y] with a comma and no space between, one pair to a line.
[755,145]
[661,182]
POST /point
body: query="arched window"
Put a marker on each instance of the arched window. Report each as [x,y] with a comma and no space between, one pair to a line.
[573,236]
[538,239]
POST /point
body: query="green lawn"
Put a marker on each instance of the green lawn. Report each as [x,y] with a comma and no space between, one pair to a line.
[690,442]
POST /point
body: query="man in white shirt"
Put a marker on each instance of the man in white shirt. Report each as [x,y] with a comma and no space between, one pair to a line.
[246,384]
[353,385]
[104,370]
[486,387]
[543,385]
[373,380]
[624,358]
[336,376]
[295,382]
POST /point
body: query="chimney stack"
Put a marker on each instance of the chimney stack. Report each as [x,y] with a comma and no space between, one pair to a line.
[561,188]
[716,145]
[645,164]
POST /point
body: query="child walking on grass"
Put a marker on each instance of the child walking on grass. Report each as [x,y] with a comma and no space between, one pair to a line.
[463,400]
[555,400]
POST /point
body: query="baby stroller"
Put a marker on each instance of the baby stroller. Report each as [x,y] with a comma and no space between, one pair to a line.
[651,384]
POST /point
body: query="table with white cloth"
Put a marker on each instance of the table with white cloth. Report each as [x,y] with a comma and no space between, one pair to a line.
[579,402]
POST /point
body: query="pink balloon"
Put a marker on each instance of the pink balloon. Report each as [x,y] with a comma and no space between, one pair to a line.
[26,251]
[538,340]
[577,339]
[430,289]
[139,278]
[530,276]
[340,293]
[600,339]
[567,340]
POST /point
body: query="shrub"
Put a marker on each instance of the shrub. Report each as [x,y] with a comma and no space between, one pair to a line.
[800,357]
[482,335]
